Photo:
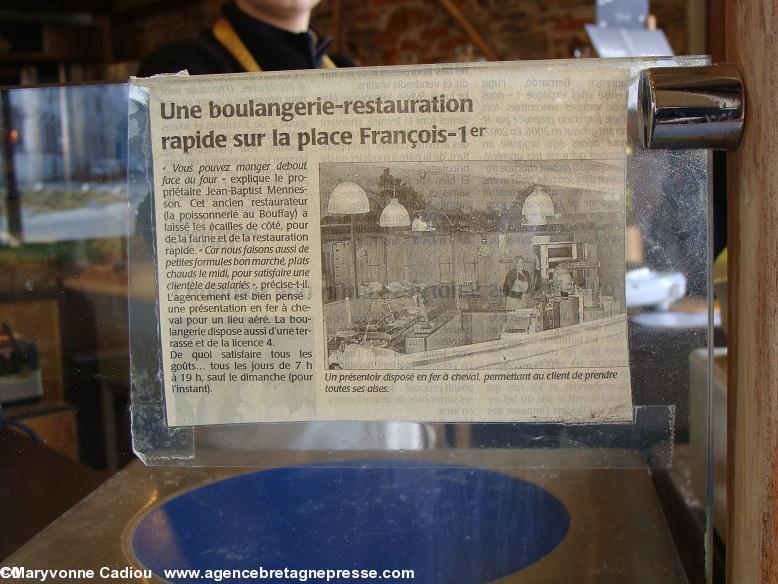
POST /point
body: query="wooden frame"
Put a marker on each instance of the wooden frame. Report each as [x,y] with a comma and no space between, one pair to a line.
[752,542]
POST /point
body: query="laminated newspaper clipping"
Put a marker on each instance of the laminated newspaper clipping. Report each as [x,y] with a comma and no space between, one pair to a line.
[436,243]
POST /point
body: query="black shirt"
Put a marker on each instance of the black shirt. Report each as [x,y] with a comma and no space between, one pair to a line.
[273,48]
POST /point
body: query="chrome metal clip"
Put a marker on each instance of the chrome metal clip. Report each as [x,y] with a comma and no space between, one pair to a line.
[692,107]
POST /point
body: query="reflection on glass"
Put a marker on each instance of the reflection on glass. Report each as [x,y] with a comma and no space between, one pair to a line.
[64,216]
[68,160]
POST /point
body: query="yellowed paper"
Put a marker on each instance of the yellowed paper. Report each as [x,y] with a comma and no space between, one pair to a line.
[428,244]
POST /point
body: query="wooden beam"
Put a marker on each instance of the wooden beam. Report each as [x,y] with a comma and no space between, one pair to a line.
[752,543]
[696,27]
[337,21]
[715,35]
[470,30]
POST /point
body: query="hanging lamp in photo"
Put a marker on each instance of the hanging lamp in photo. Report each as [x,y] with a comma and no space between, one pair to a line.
[537,208]
[348,198]
[394,215]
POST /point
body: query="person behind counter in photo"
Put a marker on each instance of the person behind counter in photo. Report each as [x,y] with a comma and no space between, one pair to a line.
[252,35]
[272,35]
[518,283]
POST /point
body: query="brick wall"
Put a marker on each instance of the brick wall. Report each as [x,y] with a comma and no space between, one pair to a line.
[390,32]
[140,32]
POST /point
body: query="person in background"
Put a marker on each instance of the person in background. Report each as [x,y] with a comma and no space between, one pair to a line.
[518,281]
[252,35]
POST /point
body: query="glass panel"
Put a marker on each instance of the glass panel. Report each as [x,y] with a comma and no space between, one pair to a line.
[667,199]
[661,417]
[63,290]
[631,498]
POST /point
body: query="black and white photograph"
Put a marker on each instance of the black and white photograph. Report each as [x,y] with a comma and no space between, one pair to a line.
[470,264]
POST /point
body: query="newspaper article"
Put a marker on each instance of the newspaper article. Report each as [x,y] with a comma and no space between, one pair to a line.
[433,243]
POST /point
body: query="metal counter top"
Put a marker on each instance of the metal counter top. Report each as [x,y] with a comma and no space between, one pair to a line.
[617,532]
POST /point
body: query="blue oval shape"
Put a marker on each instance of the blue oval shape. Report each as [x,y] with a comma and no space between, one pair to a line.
[447,523]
